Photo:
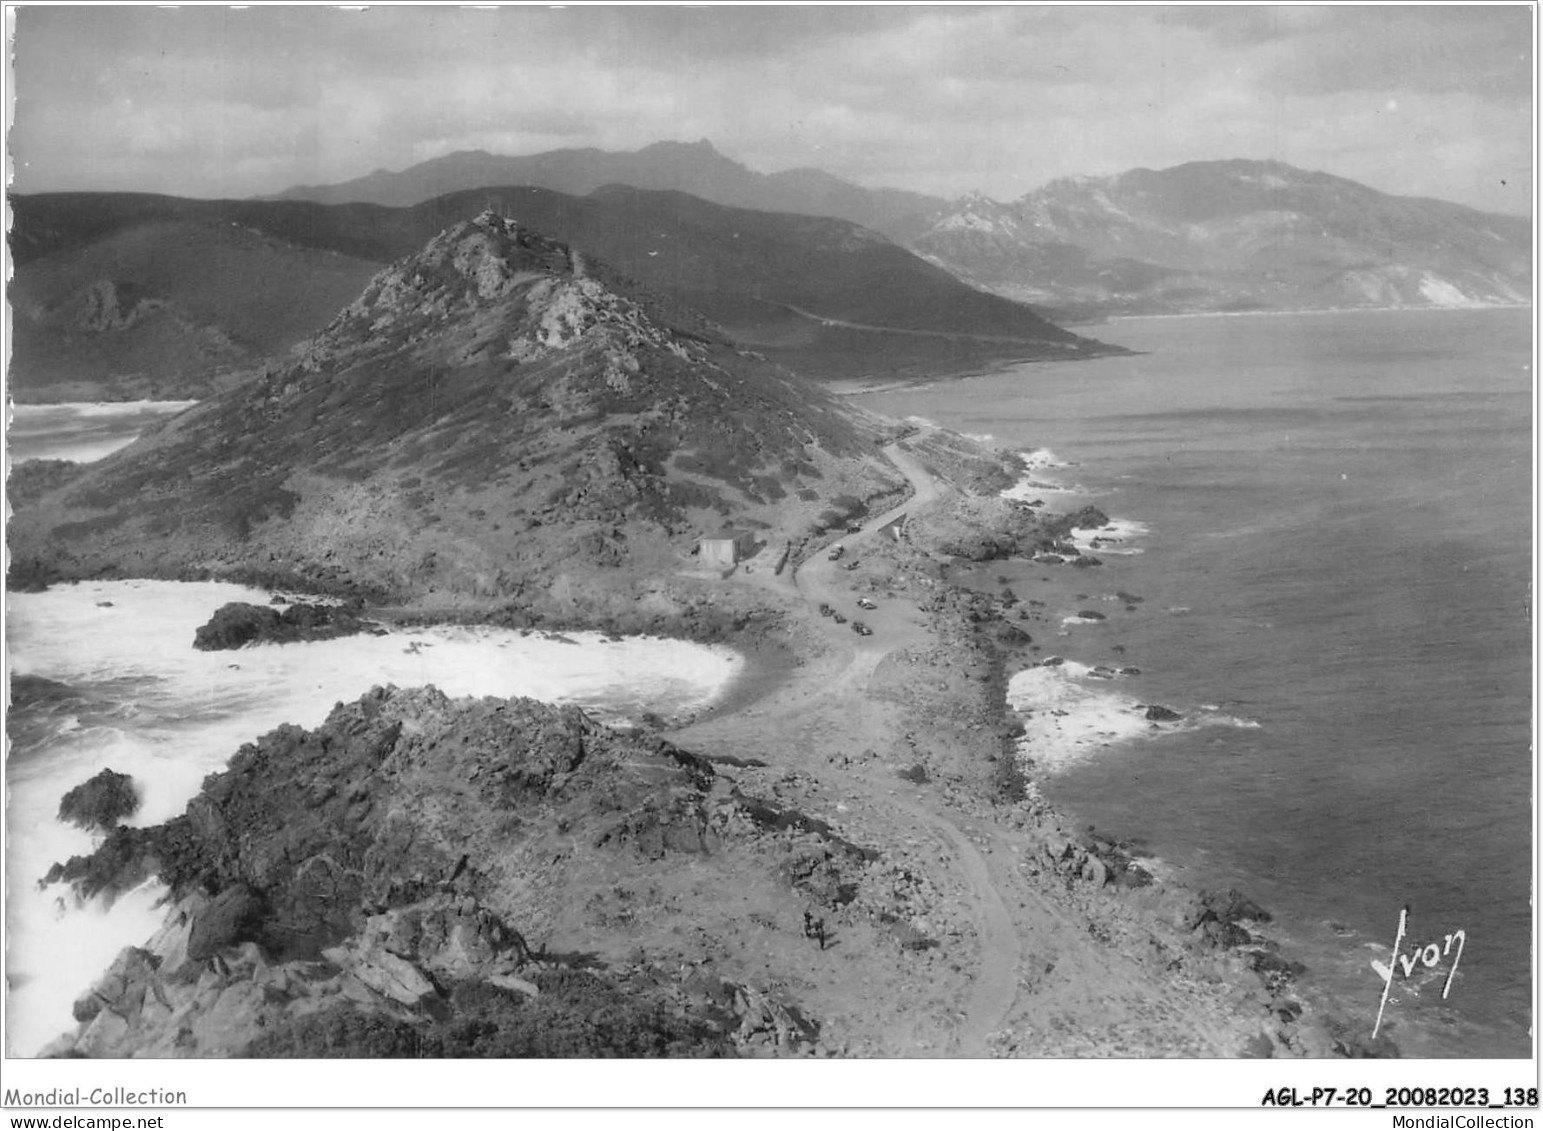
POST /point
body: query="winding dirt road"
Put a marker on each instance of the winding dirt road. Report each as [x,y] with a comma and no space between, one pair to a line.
[1024,964]
[835,709]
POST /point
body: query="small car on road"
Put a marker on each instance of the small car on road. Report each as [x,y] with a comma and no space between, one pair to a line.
[864,603]
[826,610]
[861,629]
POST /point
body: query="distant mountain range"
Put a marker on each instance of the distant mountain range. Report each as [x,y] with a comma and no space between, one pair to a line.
[1205,236]
[124,295]
[1227,236]
[496,411]
[697,169]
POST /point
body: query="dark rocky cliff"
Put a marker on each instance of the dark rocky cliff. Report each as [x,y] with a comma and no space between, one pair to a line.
[373,887]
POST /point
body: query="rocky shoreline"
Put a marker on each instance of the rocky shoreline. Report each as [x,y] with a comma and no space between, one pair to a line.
[847,858]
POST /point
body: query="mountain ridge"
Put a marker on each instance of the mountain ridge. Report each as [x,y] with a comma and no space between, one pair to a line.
[213,266]
[697,168]
[1228,235]
[1083,253]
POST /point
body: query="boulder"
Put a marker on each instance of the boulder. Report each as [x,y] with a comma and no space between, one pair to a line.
[448,935]
[1267,961]
[511,982]
[234,626]
[1088,518]
[100,802]
[238,624]
[121,990]
[1095,871]
[1226,935]
[1159,714]
[1257,1047]
[1232,905]
[383,972]
[231,917]
[764,1019]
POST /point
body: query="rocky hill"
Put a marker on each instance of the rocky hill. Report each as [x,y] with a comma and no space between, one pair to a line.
[493,414]
[1226,235]
[695,168]
[120,296]
[376,887]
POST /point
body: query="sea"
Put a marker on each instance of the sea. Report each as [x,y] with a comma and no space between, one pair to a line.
[1322,563]
[81,433]
[105,676]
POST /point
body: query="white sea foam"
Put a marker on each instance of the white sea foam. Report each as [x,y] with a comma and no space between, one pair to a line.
[1030,488]
[183,713]
[1065,720]
[1035,485]
[1214,718]
[1113,538]
[1070,712]
[82,433]
[1041,458]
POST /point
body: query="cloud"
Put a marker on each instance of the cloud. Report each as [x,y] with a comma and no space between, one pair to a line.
[208,101]
[1459,49]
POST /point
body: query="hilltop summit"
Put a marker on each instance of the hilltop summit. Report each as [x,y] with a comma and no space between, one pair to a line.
[494,412]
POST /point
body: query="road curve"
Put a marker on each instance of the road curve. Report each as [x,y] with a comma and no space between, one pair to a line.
[819,580]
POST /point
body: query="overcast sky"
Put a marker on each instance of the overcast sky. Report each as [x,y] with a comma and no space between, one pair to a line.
[1428,101]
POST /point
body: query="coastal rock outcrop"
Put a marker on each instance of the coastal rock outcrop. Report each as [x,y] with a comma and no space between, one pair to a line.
[355,890]
[238,624]
[1087,518]
[991,529]
[101,802]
